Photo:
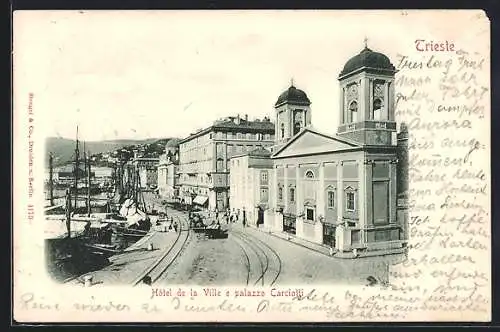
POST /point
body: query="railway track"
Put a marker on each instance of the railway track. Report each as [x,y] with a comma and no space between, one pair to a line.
[263,262]
[161,265]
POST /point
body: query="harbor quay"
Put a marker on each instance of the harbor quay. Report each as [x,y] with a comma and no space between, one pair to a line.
[266,201]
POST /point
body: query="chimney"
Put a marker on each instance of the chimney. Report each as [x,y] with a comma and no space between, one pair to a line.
[246,117]
[237,120]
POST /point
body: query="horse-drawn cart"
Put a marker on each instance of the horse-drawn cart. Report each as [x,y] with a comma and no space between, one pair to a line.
[211,228]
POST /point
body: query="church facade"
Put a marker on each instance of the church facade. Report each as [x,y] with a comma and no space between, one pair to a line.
[340,190]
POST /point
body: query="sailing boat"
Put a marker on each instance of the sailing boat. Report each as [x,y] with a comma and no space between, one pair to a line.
[133,213]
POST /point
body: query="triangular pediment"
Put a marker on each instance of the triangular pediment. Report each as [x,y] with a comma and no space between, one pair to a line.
[309,142]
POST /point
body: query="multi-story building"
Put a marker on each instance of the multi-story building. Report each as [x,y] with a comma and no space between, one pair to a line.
[204,158]
[168,175]
[341,190]
[147,169]
[250,184]
[346,191]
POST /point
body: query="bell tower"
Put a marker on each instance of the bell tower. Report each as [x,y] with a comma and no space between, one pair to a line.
[293,113]
[367,99]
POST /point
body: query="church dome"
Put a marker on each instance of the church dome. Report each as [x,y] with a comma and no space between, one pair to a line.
[368,59]
[294,96]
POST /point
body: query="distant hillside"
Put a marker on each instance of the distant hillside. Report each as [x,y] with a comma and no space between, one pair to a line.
[63,149]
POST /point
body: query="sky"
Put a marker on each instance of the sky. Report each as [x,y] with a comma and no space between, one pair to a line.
[152,74]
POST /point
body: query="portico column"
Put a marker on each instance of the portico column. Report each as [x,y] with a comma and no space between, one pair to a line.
[340,229]
[274,198]
[320,204]
[299,205]
[361,207]
[285,192]
[340,194]
[298,190]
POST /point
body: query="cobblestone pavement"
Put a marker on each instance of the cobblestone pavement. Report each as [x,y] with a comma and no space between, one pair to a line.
[208,262]
[222,262]
[304,266]
[228,261]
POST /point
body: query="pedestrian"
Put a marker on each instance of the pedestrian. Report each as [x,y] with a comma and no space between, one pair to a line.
[176,226]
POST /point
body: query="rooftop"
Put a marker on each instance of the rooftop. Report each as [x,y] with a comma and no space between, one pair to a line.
[232,123]
[368,59]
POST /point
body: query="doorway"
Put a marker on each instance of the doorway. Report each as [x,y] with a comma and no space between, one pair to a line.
[260,216]
[329,235]
[289,224]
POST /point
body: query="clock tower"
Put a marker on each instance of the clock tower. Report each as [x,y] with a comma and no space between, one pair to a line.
[367,99]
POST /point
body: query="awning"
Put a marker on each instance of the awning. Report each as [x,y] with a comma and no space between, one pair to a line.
[200,199]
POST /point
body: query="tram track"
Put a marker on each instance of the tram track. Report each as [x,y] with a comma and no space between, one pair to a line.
[269,262]
[156,270]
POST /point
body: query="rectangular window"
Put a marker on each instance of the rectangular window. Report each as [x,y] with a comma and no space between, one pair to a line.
[310,214]
[280,193]
[292,195]
[350,201]
[264,195]
[263,177]
[220,165]
[331,199]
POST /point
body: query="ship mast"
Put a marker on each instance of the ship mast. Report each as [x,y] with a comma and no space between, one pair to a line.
[51,184]
[77,156]
[88,184]
[85,170]
[68,212]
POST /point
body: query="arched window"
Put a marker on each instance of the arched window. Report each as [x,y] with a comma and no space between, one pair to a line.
[296,127]
[353,112]
[377,109]
[282,130]
[309,175]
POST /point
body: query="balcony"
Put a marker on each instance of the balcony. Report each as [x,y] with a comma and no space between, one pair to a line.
[220,180]
[368,124]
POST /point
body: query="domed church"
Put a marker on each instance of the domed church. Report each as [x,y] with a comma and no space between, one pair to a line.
[340,190]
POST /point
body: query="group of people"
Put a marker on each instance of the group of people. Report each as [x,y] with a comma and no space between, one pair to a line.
[232,217]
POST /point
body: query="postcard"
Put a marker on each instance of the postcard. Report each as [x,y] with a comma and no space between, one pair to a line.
[251,166]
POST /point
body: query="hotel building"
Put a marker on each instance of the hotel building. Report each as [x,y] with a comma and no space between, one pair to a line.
[204,158]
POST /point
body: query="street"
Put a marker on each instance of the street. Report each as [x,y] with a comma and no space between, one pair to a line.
[246,256]
[226,262]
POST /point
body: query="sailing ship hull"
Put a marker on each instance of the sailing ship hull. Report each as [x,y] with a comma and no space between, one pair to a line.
[70,257]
